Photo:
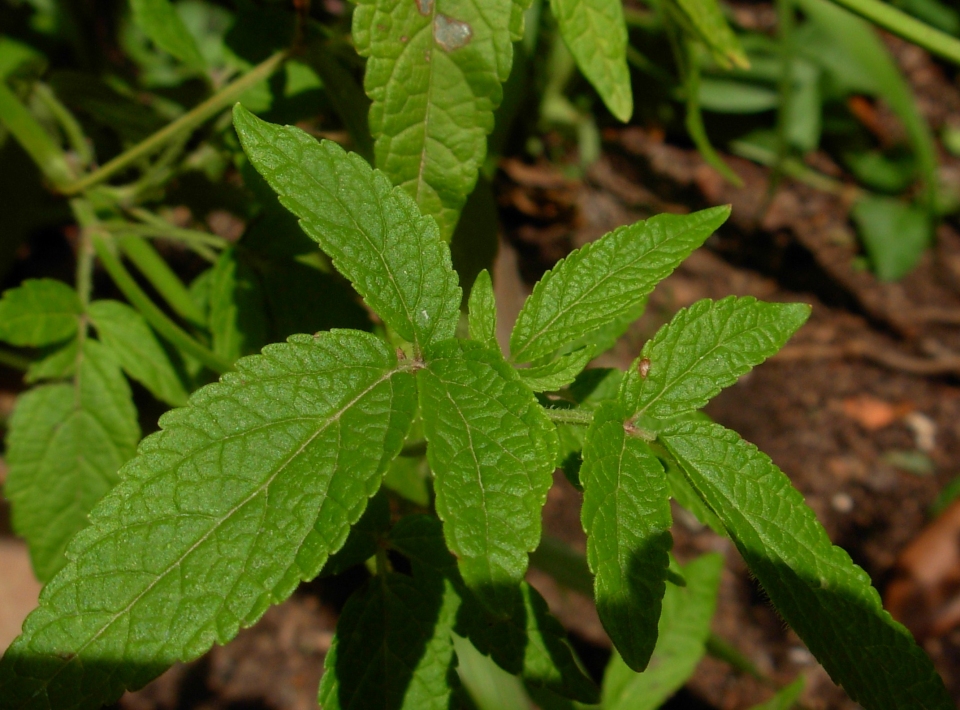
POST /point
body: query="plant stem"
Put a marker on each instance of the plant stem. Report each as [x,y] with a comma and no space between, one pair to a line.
[902,24]
[13,360]
[162,277]
[149,310]
[33,138]
[68,122]
[569,416]
[188,122]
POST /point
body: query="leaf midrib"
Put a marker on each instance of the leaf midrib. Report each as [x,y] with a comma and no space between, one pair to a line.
[334,418]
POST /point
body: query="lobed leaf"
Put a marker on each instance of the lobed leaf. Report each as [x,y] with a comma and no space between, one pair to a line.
[491,449]
[598,284]
[596,34]
[815,586]
[158,20]
[125,332]
[482,309]
[703,349]
[39,312]
[683,630]
[373,232]
[239,497]
[528,641]
[626,515]
[65,445]
[434,73]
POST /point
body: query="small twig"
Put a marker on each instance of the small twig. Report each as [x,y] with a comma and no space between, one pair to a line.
[942,364]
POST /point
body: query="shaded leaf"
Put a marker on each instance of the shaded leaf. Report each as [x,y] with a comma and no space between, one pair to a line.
[126,333]
[683,630]
[158,19]
[65,445]
[556,374]
[815,586]
[596,34]
[626,515]
[39,312]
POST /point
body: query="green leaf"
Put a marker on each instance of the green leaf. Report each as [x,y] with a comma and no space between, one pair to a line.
[482,309]
[238,317]
[596,34]
[528,641]
[39,312]
[364,538]
[626,515]
[393,648]
[601,282]
[785,698]
[492,450]
[556,374]
[434,73]
[707,20]
[65,446]
[683,631]
[124,331]
[895,234]
[60,363]
[815,586]
[240,496]
[373,232]
[703,349]
[159,21]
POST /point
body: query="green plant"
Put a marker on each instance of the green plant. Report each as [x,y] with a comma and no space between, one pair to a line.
[299,461]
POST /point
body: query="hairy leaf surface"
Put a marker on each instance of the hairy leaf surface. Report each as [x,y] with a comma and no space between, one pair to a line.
[683,630]
[125,332]
[491,449]
[39,312]
[596,34]
[601,282]
[705,348]
[393,649]
[815,586]
[528,642]
[434,73]
[626,515]
[159,21]
[240,496]
[65,446]
[482,309]
[373,232]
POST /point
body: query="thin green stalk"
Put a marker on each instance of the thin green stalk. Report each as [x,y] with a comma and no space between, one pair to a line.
[910,28]
[570,416]
[68,122]
[188,122]
[13,360]
[86,218]
[177,234]
[149,310]
[33,138]
[161,277]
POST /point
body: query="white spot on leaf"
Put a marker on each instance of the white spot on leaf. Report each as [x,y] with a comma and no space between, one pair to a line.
[425,6]
[451,34]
